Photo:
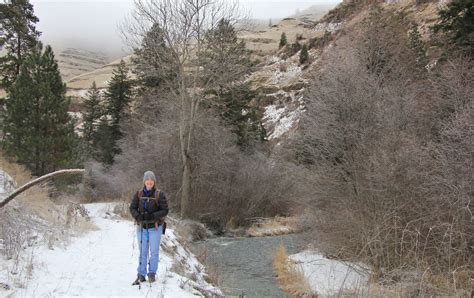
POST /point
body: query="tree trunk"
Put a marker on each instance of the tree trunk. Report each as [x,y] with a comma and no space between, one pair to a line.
[186,190]
[36,181]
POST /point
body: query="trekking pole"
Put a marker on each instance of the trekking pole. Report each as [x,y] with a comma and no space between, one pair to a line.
[140,262]
[148,251]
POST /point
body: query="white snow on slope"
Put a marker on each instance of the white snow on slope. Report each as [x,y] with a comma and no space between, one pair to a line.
[7,184]
[104,262]
[327,277]
[279,119]
[283,77]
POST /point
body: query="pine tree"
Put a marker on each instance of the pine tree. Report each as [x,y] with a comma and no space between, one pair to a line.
[418,46]
[38,128]
[105,145]
[18,36]
[225,61]
[152,61]
[457,19]
[117,96]
[224,58]
[283,40]
[237,112]
[304,55]
[91,116]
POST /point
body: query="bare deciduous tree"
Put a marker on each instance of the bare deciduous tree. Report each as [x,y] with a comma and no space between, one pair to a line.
[182,25]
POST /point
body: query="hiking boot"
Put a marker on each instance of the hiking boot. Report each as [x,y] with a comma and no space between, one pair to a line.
[151,277]
[140,278]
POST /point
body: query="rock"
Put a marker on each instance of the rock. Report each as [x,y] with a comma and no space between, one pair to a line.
[293,86]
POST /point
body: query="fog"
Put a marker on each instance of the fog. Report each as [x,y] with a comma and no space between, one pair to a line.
[93,25]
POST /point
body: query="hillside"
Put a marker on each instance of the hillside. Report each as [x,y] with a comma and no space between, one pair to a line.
[279,86]
[281,78]
[79,85]
[73,62]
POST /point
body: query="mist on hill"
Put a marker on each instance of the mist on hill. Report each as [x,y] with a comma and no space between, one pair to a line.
[63,23]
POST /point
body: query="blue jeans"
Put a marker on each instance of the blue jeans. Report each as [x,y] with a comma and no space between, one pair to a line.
[148,241]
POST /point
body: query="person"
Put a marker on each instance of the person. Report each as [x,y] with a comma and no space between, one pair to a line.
[149,208]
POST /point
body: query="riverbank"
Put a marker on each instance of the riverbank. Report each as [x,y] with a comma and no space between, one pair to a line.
[244,264]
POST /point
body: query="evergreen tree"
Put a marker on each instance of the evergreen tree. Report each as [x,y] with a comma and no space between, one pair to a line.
[38,129]
[237,112]
[225,61]
[304,55]
[418,46]
[283,40]
[225,58]
[152,61]
[18,36]
[117,96]
[457,19]
[105,145]
[91,116]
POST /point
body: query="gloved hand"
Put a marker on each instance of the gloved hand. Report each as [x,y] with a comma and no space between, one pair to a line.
[140,217]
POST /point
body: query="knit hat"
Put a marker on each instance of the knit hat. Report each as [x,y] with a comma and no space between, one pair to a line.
[148,175]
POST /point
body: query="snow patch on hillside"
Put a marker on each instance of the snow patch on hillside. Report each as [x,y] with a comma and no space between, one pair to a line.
[279,118]
[292,72]
[330,27]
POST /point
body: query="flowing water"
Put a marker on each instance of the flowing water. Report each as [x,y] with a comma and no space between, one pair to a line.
[245,264]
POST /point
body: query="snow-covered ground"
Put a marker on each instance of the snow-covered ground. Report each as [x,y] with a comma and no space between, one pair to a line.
[103,263]
[328,277]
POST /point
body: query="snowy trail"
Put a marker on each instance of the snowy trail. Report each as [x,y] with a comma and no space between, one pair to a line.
[103,263]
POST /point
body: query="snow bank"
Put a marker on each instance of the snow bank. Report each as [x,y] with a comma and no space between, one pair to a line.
[327,277]
[104,263]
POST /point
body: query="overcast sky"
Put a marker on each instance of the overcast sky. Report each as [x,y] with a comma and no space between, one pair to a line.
[92,24]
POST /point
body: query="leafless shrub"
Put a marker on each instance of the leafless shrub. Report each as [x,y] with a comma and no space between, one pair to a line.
[17,231]
[385,195]
[73,212]
[192,230]
[227,182]
[122,209]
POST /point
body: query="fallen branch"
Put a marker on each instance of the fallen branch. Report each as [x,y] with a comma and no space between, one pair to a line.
[36,181]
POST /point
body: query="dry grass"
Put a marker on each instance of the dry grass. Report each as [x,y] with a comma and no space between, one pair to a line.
[274,226]
[36,199]
[266,41]
[290,276]
[18,172]
[101,76]
[213,270]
